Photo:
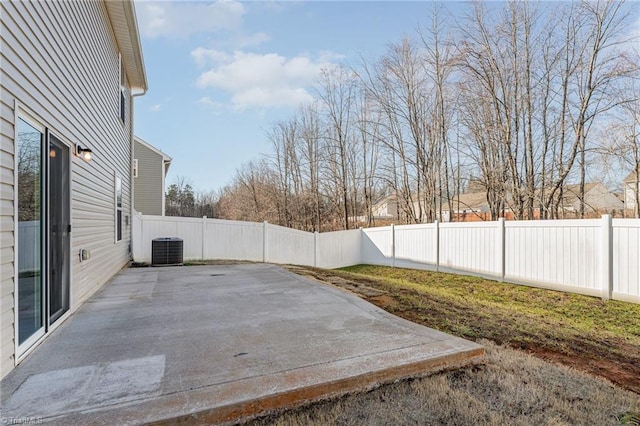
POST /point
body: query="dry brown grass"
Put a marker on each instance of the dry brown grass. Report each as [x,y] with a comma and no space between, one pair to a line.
[511,388]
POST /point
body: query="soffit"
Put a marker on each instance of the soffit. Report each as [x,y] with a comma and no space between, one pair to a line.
[125,28]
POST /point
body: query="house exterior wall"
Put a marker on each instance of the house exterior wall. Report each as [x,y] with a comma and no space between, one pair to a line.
[60,63]
[388,208]
[149,185]
[629,196]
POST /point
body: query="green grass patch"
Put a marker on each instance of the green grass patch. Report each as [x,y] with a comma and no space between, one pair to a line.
[632,419]
[577,313]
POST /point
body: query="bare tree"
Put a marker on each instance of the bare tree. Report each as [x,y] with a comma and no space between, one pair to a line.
[283,138]
[369,132]
[251,194]
[622,135]
[439,67]
[336,91]
[311,155]
[511,95]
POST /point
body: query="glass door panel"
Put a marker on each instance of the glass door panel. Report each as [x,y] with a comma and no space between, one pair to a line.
[30,231]
[58,227]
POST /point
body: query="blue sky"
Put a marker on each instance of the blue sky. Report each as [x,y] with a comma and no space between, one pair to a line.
[221,74]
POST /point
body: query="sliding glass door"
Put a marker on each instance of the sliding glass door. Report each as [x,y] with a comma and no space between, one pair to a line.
[44,227]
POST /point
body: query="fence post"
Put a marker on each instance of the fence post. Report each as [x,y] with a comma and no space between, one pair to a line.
[264,241]
[361,250]
[315,249]
[501,249]
[134,229]
[436,243]
[393,245]
[606,261]
[143,247]
[204,229]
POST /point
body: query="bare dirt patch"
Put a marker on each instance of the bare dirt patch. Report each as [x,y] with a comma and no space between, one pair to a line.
[384,301]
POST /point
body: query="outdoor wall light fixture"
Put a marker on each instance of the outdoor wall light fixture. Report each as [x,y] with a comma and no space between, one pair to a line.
[84,153]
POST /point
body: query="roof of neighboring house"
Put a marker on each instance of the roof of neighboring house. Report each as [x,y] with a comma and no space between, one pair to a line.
[476,185]
[468,201]
[165,158]
[385,199]
[477,201]
[631,178]
[570,193]
[125,28]
[597,196]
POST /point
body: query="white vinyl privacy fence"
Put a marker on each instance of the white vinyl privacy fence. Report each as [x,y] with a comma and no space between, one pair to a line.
[257,242]
[598,257]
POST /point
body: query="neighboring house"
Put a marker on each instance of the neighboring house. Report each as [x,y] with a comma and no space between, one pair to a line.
[468,207]
[150,167]
[597,199]
[69,73]
[386,208]
[631,191]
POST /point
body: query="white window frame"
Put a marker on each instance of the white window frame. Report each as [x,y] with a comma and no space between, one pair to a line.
[118,225]
[122,95]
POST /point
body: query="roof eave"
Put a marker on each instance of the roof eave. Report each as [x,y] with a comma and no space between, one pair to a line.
[125,28]
[165,158]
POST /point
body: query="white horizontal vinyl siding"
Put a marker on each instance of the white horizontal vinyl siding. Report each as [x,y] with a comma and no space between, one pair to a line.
[60,61]
[6,231]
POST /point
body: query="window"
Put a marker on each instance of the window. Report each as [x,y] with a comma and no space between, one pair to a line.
[135,167]
[118,203]
[123,89]
[122,106]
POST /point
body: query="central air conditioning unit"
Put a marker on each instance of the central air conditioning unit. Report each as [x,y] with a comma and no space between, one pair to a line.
[167,251]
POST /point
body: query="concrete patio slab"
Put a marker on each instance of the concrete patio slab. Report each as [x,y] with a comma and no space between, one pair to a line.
[212,344]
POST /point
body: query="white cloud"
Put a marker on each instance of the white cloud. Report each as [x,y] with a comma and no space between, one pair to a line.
[271,97]
[214,106]
[181,19]
[204,56]
[205,100]
[260,80]
[328,56]
[155,107]
[255,39]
